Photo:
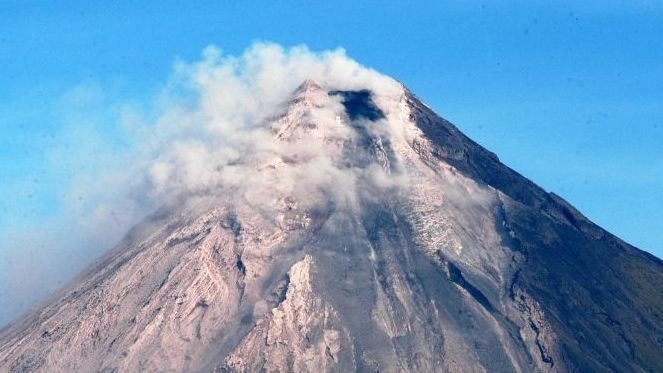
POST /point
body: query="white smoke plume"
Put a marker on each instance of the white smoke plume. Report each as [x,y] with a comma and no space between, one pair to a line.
[211,130]
[235,97]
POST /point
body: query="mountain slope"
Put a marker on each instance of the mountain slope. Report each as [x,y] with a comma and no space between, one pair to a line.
[403,246]
[603,295]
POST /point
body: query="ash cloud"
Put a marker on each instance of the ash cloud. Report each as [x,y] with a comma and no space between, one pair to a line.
[210,129]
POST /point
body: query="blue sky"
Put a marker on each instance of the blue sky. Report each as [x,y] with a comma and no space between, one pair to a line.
[568,93]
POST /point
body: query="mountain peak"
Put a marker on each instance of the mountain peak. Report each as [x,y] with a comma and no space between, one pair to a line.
[307,88]
[375,236]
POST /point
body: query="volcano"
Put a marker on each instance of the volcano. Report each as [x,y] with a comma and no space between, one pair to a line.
[369,235]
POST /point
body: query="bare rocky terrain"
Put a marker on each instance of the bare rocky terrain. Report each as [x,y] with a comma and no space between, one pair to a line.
[418,252]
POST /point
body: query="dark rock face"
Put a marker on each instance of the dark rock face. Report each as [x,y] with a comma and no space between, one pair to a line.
[603,297]
[423,253]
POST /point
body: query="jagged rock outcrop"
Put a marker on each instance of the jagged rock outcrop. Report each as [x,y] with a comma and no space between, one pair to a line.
[304,333]
[412,249]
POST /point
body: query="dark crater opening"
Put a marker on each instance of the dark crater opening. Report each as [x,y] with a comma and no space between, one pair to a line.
[359,104]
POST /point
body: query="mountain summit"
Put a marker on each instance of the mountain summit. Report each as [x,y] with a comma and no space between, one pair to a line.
[366,234]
